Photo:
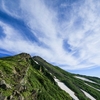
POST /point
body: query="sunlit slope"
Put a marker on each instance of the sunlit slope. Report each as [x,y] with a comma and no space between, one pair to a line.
[23,77]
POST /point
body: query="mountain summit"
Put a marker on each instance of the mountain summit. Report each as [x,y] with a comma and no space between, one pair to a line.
[23,77]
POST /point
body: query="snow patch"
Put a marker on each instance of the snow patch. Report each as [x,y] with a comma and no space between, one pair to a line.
[92,87]
[88,95]
[50,73]
[84,79]
[36,62]
[66,89]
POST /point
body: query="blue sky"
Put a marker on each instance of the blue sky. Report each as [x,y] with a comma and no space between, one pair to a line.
[64,32]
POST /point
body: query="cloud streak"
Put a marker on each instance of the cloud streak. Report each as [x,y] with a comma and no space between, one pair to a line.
[64,33]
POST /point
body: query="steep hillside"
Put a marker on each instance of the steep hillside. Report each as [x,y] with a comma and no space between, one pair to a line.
[23,77]
[74,83]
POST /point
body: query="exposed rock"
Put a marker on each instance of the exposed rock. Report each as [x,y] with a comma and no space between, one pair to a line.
[16,93]
[10,97]
[34,94]
[2,97]
[4,85]
[21,97]
[14,71]
[5,98]
[21,88]
[25,56]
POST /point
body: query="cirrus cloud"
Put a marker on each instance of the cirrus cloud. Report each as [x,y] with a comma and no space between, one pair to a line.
[65,34]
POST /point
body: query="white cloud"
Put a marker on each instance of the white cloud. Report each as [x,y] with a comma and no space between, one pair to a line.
[82,33]
[11,7]
[14,42]
[39,17]
[86,37]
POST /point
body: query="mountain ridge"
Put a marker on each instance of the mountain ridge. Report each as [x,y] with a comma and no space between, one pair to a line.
[24,77]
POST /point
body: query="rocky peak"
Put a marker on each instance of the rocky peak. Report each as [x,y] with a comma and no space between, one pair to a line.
[25,55]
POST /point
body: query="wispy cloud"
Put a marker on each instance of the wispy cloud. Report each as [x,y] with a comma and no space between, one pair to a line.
[66,33]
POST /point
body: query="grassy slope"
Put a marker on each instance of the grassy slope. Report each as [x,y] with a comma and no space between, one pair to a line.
[20,72]
[69,79]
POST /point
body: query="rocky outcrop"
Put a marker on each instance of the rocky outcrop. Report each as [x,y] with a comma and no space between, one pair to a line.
[25,55]
[2,97]
[4,85]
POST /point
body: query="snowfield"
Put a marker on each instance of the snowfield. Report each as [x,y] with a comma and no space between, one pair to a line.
[92,87]
[88,95]
[66,89]
[85,79]
[36,62]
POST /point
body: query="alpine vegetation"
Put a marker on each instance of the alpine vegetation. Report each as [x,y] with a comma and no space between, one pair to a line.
[23,77]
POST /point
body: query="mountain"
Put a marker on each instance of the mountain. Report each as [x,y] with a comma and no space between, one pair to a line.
[23,77]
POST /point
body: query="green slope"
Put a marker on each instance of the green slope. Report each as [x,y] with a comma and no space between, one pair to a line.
[73,83]
[22,79]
